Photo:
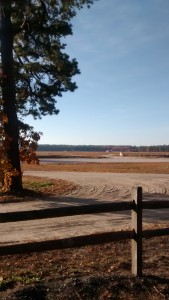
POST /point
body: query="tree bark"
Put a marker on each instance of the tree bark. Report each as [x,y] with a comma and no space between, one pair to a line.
[11,130]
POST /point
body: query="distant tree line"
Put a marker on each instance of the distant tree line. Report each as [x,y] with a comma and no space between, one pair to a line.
[103,148]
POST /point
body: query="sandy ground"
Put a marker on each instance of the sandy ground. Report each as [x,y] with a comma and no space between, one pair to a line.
[108,185]
[92,188]
[108,159]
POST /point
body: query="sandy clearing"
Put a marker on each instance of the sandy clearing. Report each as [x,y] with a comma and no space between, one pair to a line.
[93,188]
[100,183]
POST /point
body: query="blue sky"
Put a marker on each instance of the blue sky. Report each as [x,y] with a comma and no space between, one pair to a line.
[122,47]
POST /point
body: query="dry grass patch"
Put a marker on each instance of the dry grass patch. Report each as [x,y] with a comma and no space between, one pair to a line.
[149,168]
[97,154]
[38,187]
[47,186]
[72,154]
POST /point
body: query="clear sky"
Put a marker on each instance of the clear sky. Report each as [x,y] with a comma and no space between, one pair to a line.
[122,47]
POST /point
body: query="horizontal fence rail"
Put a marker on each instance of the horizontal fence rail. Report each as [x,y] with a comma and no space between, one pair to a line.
[135,234]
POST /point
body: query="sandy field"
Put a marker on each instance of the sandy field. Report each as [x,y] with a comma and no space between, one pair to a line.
[91,188]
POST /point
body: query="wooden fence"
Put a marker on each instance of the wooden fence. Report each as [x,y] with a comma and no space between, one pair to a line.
[136,234]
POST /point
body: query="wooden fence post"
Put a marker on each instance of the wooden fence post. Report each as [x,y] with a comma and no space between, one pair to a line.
[136,223]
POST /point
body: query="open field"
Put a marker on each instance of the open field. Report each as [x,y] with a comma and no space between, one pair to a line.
[66,154]
[149,167]
[140,168]
[94,272]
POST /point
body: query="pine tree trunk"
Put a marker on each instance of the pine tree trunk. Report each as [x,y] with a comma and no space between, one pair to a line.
[8,95]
